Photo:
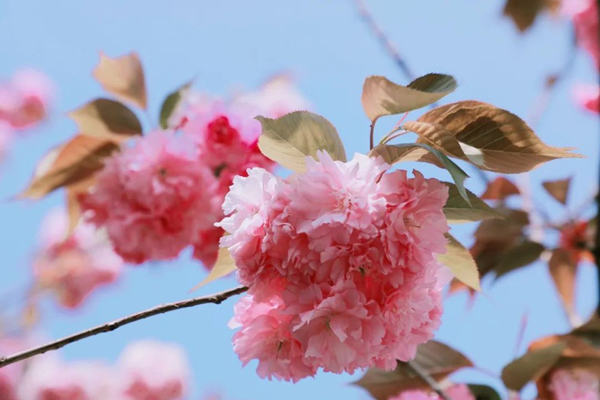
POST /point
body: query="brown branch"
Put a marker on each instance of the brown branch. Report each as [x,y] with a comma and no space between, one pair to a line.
[387,44]
[216,298]
[597,244]
[427,379]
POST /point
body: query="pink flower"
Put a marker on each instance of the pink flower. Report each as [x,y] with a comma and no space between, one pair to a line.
[267,337]
[153,198]
[74,267]
[48,378]
[151,370]
[24,99]
[588,97]
[344,255]
[575,384]
[455,392]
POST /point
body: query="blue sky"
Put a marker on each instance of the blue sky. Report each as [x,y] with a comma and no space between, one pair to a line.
[231,43]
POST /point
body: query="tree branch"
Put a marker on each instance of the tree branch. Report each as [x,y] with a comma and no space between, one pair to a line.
[427,379]
[387,44]
[216,298]
[597,244]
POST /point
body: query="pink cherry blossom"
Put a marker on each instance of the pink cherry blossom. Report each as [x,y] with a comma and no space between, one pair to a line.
[585,18]
[455,392]
[588,97]
[151,370]
[153,198]
[73,267]
[344,256]
[48,378]
[575,384]
[24,100]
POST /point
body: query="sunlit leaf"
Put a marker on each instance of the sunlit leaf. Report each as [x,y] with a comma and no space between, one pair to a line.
[499,189]
[524,12]
[383,97]
[531,366]
[457,210]
[434,358]
[559,189]
[392,153]
[289,139]
[488,137]
[171,103]
[459,260]
[518,256]
[123,77]
[69,163]
[563,269]
[223,267]
[106,119]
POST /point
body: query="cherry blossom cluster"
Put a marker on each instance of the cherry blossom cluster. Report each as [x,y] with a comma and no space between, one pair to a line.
[341,265]
[455,392]
[165,193]
[24,102]
[73,267]
[146,370]
[575,384]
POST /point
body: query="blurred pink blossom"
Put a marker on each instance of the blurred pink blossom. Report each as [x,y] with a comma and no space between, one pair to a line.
[24,100]
[455,392]
[341,265]
[575,384]
[49,378]
[588,97]
[73,267]
[10,375]
[151,370]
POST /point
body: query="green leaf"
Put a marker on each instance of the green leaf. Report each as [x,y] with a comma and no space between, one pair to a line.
[223,267]
[106,119]
[459,260]
[518,256]
[457,210]
[171,103]
[489,137]
[392,153]
[531,366]
[434,358]
[483,392]
[383,97]
[290,139]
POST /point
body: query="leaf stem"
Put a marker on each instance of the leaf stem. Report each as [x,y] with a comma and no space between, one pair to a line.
[427,379]
[371,134]
[216,298]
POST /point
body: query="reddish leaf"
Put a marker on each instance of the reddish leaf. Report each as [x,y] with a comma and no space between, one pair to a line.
[68,164]
[524,12]
[559,189]
[563,269]
[123,77]
[499,189]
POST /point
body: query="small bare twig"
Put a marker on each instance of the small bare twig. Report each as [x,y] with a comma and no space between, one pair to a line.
[216,298]
[387,44]
[428,379]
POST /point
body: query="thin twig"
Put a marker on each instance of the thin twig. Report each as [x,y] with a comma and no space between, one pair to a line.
[216,298]
[428,379]
[387,44]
